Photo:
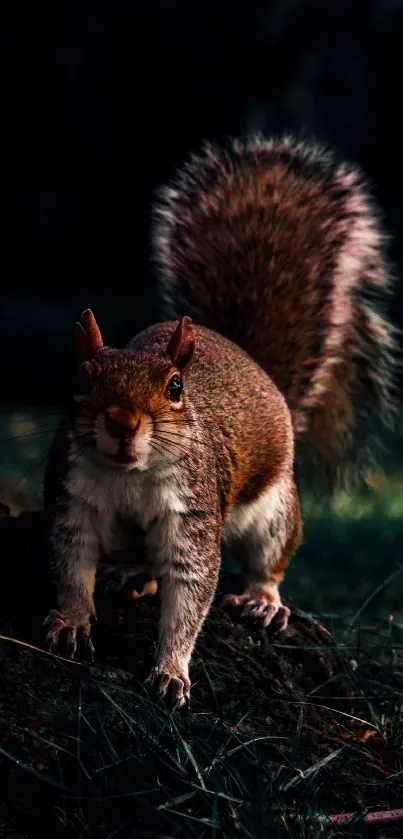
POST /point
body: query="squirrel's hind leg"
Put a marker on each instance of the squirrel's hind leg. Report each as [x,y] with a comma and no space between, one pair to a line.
[265,533]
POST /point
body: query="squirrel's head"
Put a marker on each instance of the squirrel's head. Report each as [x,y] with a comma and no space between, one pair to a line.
[130,404]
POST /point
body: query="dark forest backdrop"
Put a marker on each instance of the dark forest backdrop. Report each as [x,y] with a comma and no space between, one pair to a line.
[100,100]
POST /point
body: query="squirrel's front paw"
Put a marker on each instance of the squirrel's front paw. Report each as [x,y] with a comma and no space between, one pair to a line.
[172,687]
[64,632]
[260,607]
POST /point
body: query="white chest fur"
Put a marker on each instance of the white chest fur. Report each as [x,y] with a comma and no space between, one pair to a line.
[119,501]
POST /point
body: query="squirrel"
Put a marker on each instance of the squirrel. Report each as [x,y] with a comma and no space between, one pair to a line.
[274,351]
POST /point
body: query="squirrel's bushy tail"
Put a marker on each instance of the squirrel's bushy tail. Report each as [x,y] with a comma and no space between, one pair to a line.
[277,246]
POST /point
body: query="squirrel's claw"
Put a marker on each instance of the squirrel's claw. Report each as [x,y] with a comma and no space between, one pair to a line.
[63,634]
[173,689]
[259,609]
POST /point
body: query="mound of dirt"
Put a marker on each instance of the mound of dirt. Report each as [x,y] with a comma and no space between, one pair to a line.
[297,686]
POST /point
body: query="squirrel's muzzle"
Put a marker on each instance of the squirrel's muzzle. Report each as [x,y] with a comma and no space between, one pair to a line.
[121,423]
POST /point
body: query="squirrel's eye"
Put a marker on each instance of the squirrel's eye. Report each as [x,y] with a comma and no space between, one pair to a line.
[83,382]
[174,388]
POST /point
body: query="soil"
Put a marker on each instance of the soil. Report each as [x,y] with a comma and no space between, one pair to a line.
[299,688]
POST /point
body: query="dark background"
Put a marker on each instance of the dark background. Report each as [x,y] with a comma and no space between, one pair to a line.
[100,100]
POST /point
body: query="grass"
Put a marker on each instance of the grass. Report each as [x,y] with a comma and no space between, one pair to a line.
[104,760]
[284,734]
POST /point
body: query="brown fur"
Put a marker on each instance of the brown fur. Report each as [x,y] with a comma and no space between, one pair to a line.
[278,246]
[251,442]
[273,246]
[229,441]
[127,388]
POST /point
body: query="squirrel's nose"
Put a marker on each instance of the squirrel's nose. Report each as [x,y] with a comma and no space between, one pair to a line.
[121,423]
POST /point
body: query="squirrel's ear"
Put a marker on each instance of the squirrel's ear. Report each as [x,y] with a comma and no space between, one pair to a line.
[182,343]
[88,337]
